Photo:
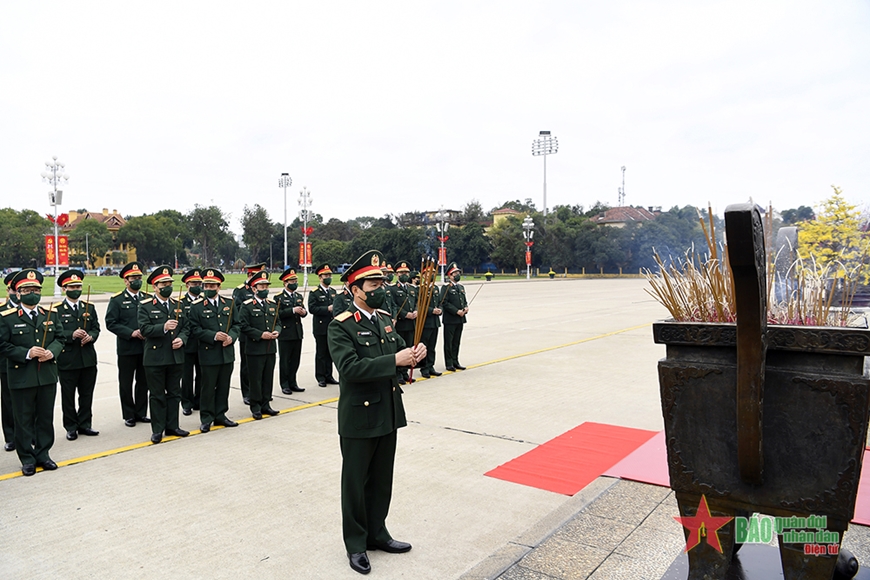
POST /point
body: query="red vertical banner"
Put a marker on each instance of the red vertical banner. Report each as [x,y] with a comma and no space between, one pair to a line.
[442,256]
[305,254]
[528,258]
[63,250]
[50,254]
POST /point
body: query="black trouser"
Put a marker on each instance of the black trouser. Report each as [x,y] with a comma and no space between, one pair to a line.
[289,353]
[366,490]
[408,337]
[164,382]
[262,370]
[83,381]
[214,399]
[191,387]
[6,406]
[322,359]
[244,379]
[134,402]
[452,337]
[430,339]
[33,408]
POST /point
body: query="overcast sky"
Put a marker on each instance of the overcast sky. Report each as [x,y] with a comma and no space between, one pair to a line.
[387,107]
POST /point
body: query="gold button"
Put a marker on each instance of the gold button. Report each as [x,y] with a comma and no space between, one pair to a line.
[382,341]
[394,388]
[366,403]
[367,343]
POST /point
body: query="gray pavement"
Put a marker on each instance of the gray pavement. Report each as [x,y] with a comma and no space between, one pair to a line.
[262,500]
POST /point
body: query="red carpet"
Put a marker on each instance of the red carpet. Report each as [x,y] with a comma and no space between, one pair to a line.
[647,464]
[862,504]
[574,459]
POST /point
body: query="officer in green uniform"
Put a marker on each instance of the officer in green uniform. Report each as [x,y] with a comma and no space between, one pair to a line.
[389,306]
[320,305]
[260,325]
[406,310]
[122,320]
[430,333]
[291,312]
[191,380]
[342,301]
[77,363]
[455,307]
[241,293]
[166,331]
[6,417]
[216,328]
[367,351]
[31,340]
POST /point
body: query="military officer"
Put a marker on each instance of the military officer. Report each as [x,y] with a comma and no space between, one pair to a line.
[430,333]
[6,417]
[342,301]
[320,305]
[122,320]
[31,340]
[291,312]
[406,310]
[455,307]
[367,351]
[191,381]
[166,331]
[216,328]
[241,293]
[77,363]
[259,323]
[388,271]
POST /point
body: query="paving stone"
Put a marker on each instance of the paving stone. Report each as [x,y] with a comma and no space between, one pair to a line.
[595,531]
[662,517]
[520,573]
[653,547]
[628,502]
[857,540]
[564,560]
[619,567]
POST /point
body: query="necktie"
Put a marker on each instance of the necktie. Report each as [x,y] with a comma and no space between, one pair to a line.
[75,309]
[33,315]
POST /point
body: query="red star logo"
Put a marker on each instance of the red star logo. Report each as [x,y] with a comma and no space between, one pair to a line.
[703,524]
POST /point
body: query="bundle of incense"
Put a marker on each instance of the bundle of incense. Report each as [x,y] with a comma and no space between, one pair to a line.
[230,317]
[424,296]
[86,315]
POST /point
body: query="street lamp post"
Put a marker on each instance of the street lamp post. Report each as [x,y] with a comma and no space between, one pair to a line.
[304,202]
[443,226]
[622,189]
[54,174]
[175,247]
[529,233]
[544,145]
[285,181]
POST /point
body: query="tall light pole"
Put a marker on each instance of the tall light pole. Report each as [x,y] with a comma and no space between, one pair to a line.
[622,189]
[175,247]
[529,233]
[544,145]
[304,202]
[54,174]
[285,181]
[443,226]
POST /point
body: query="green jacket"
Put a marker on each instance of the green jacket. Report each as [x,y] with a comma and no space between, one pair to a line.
[370,401]
[434,320]
[342,302]
[74,356]
[191,346]
[453,303]
[18,333]
[254,320]
[205,322]
[319,301]
[122,319]
[158,344]
[6,305]
[406,295]
[291,323]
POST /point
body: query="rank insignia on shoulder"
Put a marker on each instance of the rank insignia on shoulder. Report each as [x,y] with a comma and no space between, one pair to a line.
[8,312]
[147,300]
[248,301]
[343,316]
[197,301]
[382,311]
[117,293]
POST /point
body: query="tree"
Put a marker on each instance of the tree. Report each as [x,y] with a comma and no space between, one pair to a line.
[468,245]
[508,243]
[794,216]
[836,238]
[257,231]
[22,243]
[210,227]
[91,236]
[332,252]
[526,207]
[153,237]
[472,213]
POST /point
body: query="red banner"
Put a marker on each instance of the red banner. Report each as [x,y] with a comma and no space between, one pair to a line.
[528,258]
[305,254]
[63,246]
[442,256]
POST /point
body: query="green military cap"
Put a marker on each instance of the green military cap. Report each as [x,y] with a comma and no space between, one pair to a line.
[70,277]
[289,274]
[323,269]
[453,268]
[27,277]
[260,277]
[212,276]
[192,275]
[8,279]
[366,267]
[403,267]
[132,269]
[160,274]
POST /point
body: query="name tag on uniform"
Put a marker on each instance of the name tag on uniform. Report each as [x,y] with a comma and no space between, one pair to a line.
[20,325]
[158,312]
[364,333]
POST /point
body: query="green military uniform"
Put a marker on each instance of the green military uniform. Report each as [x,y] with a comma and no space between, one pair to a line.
[290,339]
[6,418]
[164,365]
[122,320]
[430,333]
[241,293]
[77,363]
[342,302]
[259,315]
[207,317]
[405,297]
[32,384]
[389,304]
[370,411]
[191,380]
[319,301]
[453,300]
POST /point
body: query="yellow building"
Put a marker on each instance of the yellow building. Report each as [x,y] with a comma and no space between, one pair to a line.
[113,222]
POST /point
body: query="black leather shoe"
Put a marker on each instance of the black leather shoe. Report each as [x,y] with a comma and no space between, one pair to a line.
[426,375]
[47,465]
[9,446]
[287,391]
[451,369]
[246,400]
[226,423]
[143,420]
[28,469]
[178,432]
[297,389]
[186,412]
[130,422]
[360,562]
[460,368]
[257,416]
[392,547]
[269,411]
[157,438]
[434,373]
[403,381]
[331,381]
[205,427]
[321,384]
[71,435]
[88,431]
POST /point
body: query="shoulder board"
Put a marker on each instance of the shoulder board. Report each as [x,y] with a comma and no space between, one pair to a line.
[341,317]
[8,312]
[197,301]
[248,301]
[83,301]
[385,312]
[145,301]
[117,293]
[240,286]
[56,304]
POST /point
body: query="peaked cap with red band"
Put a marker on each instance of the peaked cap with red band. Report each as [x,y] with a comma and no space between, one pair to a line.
[323,269]
[453,268]
[27,277]
[132,269]
[261,277]
[193,275]
[253,268]
[366,267]
[289,274]
[160,274]
[403,267]
[70,277]
[212,276]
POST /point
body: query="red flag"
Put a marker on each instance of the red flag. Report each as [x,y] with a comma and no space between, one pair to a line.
[63,219]
[49,217]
